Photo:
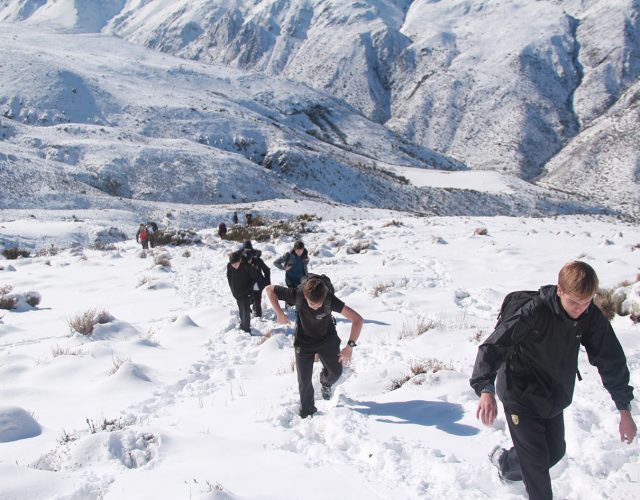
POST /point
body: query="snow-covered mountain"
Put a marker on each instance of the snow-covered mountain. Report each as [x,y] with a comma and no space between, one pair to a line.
[93,121]
[501,84]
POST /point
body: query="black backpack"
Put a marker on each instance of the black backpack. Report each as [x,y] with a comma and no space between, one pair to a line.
[326,280]
[513,302]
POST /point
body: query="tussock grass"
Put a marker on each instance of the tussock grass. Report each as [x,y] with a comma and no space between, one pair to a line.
[380,288]
[117,363]
[84,323]
[420,367]
[418,326]
[64,351]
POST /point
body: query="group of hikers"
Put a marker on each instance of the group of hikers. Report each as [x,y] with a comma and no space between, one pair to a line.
[146,234]
[222,227]
[314,302]
[530,360]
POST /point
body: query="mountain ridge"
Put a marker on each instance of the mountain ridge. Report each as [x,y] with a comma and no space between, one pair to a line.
[420,78]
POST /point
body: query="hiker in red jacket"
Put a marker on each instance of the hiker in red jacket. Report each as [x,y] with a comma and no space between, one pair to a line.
[142,236]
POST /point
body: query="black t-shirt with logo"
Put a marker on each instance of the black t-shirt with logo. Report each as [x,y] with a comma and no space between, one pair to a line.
[313,326]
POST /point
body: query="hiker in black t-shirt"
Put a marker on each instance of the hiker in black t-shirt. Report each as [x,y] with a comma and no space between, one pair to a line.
[315,333]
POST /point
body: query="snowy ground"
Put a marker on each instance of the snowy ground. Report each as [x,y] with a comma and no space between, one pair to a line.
[171,400]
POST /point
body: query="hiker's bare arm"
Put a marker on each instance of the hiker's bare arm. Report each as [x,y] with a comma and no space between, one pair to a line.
[273,300]
[487,408]
[356,328]
[628,428]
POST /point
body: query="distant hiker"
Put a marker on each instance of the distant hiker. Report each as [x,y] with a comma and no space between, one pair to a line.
[152,228]
[315,333]
[249,218]
[253,258]
[142,236]
[534,353]
[222,230]
[242,277]
[294,263]
[235,217]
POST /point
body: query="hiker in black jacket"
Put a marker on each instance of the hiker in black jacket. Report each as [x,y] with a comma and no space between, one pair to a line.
[534,354]
[254,259]
[242,277]
[315,333]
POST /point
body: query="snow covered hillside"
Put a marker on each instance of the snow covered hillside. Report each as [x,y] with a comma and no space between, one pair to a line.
[168,399]
[496,84]
[93,121]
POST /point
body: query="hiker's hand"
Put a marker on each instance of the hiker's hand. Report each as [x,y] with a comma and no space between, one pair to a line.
[627,426]
[345,355]
[487,408]
[282,319]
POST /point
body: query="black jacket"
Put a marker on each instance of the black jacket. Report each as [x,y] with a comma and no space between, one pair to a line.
[535,357]
[241,280]
[254,259]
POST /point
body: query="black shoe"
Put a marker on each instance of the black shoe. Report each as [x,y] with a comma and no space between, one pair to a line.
[305,414]
[497,457]
[326,391]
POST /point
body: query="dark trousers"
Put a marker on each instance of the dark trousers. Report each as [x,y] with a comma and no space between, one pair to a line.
[538,444]
[145,244]
[257,302]
[244,310]
[331,370]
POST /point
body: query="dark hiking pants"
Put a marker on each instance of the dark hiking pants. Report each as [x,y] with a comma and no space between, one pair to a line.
[257,302]
[331,370]
[538,444]
[244,310]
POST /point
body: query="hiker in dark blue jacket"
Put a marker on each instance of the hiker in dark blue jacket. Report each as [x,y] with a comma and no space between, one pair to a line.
[294,264]
[534,356]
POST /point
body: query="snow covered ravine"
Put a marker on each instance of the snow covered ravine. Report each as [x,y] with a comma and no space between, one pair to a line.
[170,400]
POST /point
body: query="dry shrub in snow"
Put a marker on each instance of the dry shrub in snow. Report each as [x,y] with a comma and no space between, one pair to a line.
[360,246]
[414,328]
[380,288]
[8,302]
[163,260]
[64,351]
[393,223]
[431,365]
[396,383]
[481,231]
[172,236]
[14,253]
[83,323]
[48,251]
[117,363]
[14,300]
[106,425]
[605,300]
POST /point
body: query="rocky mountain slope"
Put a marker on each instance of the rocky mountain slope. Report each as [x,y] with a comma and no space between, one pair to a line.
[501,84]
